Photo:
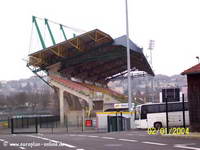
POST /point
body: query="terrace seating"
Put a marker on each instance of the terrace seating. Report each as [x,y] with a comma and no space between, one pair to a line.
[106,91]
[87,89]
[72,85]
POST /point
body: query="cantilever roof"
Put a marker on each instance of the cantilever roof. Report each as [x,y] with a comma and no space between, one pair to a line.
[93,56]
[193,70]
[69,48]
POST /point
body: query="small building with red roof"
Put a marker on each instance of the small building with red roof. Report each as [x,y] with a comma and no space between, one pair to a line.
[193,79]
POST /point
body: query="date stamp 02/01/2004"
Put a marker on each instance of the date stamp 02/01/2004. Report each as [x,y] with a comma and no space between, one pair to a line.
[173,131]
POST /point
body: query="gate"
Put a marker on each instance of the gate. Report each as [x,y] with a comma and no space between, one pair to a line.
[118,123]
[30,123]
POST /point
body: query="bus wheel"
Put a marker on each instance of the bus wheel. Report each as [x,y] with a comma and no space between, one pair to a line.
[157,125]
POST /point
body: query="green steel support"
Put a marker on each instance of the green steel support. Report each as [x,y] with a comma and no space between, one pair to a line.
[61,28]
[39,33]
[49,29]
[36,73]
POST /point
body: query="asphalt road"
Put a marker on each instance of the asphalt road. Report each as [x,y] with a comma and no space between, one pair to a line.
[132,140]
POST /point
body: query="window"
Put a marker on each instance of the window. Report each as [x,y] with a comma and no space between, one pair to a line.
[177,106]
[172,107]
[144,112]
[152,108]
[162,108]
[186,106]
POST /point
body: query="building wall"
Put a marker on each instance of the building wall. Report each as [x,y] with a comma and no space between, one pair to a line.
[73,118]
[194,101]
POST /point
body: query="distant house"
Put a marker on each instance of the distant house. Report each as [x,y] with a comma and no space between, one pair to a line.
[193,79]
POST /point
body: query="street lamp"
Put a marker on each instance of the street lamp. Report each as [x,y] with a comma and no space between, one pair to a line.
[128,60]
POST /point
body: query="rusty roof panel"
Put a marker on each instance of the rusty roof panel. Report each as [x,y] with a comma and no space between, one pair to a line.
[193,70]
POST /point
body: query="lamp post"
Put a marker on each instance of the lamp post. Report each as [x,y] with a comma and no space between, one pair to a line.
[128,61]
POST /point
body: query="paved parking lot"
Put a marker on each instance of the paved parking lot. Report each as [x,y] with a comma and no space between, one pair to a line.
[137,140]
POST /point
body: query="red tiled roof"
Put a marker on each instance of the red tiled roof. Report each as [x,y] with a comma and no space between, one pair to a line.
[193,70]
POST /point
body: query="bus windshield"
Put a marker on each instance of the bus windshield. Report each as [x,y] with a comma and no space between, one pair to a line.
[137,112]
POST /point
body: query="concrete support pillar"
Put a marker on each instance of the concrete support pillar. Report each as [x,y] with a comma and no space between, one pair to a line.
[61,98]
[72,92]
[83,118]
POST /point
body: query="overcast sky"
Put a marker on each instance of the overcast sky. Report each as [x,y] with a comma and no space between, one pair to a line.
[173,24]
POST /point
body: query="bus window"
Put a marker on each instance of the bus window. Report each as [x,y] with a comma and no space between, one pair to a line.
[186,106]
[150,109]
[162,108]
[177,107]
[154,108]
[144,112]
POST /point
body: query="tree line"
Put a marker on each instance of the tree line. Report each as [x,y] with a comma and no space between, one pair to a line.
[27,100]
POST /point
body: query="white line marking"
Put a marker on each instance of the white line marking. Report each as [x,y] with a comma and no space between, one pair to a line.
[72,135]
[154,143]
[109,138]
[127,140]
[79,149]
[113,145]
[54,141]
[21,147]
[2,140]
[142,134]
[93,136]
[134,133]
[186,147]
[82,135]
[130,134]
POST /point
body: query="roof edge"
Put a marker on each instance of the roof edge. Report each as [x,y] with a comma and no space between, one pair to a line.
[192,70]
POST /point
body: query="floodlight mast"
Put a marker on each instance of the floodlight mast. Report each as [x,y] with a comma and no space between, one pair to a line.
[151,47]
[128,61]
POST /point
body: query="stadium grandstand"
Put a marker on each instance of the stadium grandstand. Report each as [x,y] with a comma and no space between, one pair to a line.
[83,65]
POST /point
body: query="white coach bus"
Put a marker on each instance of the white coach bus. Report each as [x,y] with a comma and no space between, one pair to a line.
[154,115]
